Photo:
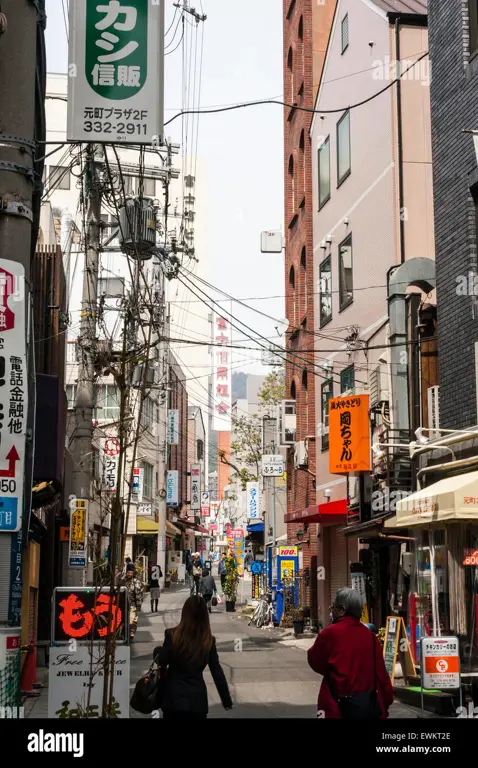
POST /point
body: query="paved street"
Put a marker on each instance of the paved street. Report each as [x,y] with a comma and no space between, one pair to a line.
[267,672]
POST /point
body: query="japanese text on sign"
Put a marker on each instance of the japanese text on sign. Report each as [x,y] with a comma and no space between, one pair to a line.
[78,534]
[273,466]
[441,662]
[116,68]
[195,487]
[222,381]
[13,395]
[252,501]
[349,434]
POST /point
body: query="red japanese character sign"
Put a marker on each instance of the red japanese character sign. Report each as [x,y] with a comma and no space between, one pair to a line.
[82,614]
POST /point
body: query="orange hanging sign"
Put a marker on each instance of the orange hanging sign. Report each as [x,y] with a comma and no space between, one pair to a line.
[349,435]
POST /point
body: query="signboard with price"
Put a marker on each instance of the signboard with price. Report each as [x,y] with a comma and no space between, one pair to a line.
[273,466]
[441,662]
[78,555]
[116,71]
[13,394]
[396,647]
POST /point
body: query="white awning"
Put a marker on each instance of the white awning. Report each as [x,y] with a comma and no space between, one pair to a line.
[452,499]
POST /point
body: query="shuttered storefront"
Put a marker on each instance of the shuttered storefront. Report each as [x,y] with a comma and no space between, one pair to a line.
[338,561]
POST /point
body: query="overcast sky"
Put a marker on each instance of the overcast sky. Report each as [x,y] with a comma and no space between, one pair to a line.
[240,155]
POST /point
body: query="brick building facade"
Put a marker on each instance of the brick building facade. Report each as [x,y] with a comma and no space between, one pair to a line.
[306,33]
[453,47]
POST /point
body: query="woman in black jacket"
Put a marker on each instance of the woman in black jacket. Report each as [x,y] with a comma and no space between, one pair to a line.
[188,649]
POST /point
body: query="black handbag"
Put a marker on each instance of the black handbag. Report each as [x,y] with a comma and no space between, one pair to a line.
[214,601]
[359,706]
[149,691]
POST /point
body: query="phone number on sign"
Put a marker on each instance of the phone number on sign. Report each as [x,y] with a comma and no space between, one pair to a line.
[120,129]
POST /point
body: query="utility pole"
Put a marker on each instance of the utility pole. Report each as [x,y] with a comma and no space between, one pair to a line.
[83,435]
[18,51]
[162,433]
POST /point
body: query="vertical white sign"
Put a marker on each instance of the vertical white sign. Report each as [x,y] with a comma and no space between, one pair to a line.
[222,376]
[110,464]
[173,427]
[116,71]
[172,488]
[13,394]
[253,506]
[138,475]
[195,487]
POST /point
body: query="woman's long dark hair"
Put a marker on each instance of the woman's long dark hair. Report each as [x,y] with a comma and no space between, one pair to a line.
[192,638]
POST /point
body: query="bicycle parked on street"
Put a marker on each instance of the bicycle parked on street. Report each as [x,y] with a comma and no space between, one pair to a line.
[262,615]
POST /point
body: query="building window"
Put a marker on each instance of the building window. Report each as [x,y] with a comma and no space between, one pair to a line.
[304,379]
[345,32]
[290,68]
[59,177]
[324,172]
[292,278]
[70,390]
[473,26]
[293,391]
[107,403]
[343,148]
[200,450]
[302,161]
[346,288]
[327,390]
[347,379]
[148,481]
[147,414]
[325,290]
[292,183]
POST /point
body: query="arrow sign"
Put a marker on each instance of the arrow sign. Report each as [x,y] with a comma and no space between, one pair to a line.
[12,458]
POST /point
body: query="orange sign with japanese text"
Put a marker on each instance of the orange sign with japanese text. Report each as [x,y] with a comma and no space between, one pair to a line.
[349,435]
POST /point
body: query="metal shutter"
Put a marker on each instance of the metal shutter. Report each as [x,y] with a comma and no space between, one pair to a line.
[5,562]
[338,560]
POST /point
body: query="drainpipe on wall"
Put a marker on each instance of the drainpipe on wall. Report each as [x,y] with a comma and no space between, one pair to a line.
[401,196]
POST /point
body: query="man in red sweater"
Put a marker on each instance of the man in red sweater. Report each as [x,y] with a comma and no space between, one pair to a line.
[344,654]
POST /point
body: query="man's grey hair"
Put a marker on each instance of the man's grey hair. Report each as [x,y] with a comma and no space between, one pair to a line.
[350,600]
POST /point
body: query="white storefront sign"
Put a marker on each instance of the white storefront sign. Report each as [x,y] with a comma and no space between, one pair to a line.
[13,394]
[138,476]
[173,427]
[71,676]
[441,663]
[110,464]
[116,71]
[205,504]
[172,488]
[195,487]
[253,507]
[222,377]
[273,466]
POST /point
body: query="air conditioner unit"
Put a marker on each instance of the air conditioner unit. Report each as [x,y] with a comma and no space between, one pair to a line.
[354,491]
[287,423]
[301,454]
[433,396]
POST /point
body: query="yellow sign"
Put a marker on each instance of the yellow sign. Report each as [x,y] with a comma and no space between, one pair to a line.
[287,569]
[78,524]
[288,551]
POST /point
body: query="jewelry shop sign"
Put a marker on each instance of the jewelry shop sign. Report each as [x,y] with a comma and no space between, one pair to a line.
[75,683]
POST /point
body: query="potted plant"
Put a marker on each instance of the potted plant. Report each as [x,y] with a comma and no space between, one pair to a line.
[230,585]
[298,621]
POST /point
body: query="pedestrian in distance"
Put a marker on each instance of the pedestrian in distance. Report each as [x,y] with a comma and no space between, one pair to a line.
[154,587]
[135,593]
[356,684]
[221,569]
[208,587]
[187,650]
[197,574]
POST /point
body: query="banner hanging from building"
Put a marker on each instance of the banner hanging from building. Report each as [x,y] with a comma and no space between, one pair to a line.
[205,504]
[13,394]
[116,71]
[349,435]
[110,463]
[222,376]
[253,506]
[78,550]
[138,482]
[195,487]
[173,427]
[172,488]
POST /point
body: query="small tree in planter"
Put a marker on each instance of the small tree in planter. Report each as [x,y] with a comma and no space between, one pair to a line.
[230,586]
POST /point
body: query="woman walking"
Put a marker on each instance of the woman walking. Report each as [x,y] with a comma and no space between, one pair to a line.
[154,588]
[356,684]
[188,649]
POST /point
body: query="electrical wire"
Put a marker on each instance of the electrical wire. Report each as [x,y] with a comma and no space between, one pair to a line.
[310,110]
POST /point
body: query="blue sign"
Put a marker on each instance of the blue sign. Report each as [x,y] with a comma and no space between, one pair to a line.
[16,580]
[256,566]
[8,514]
